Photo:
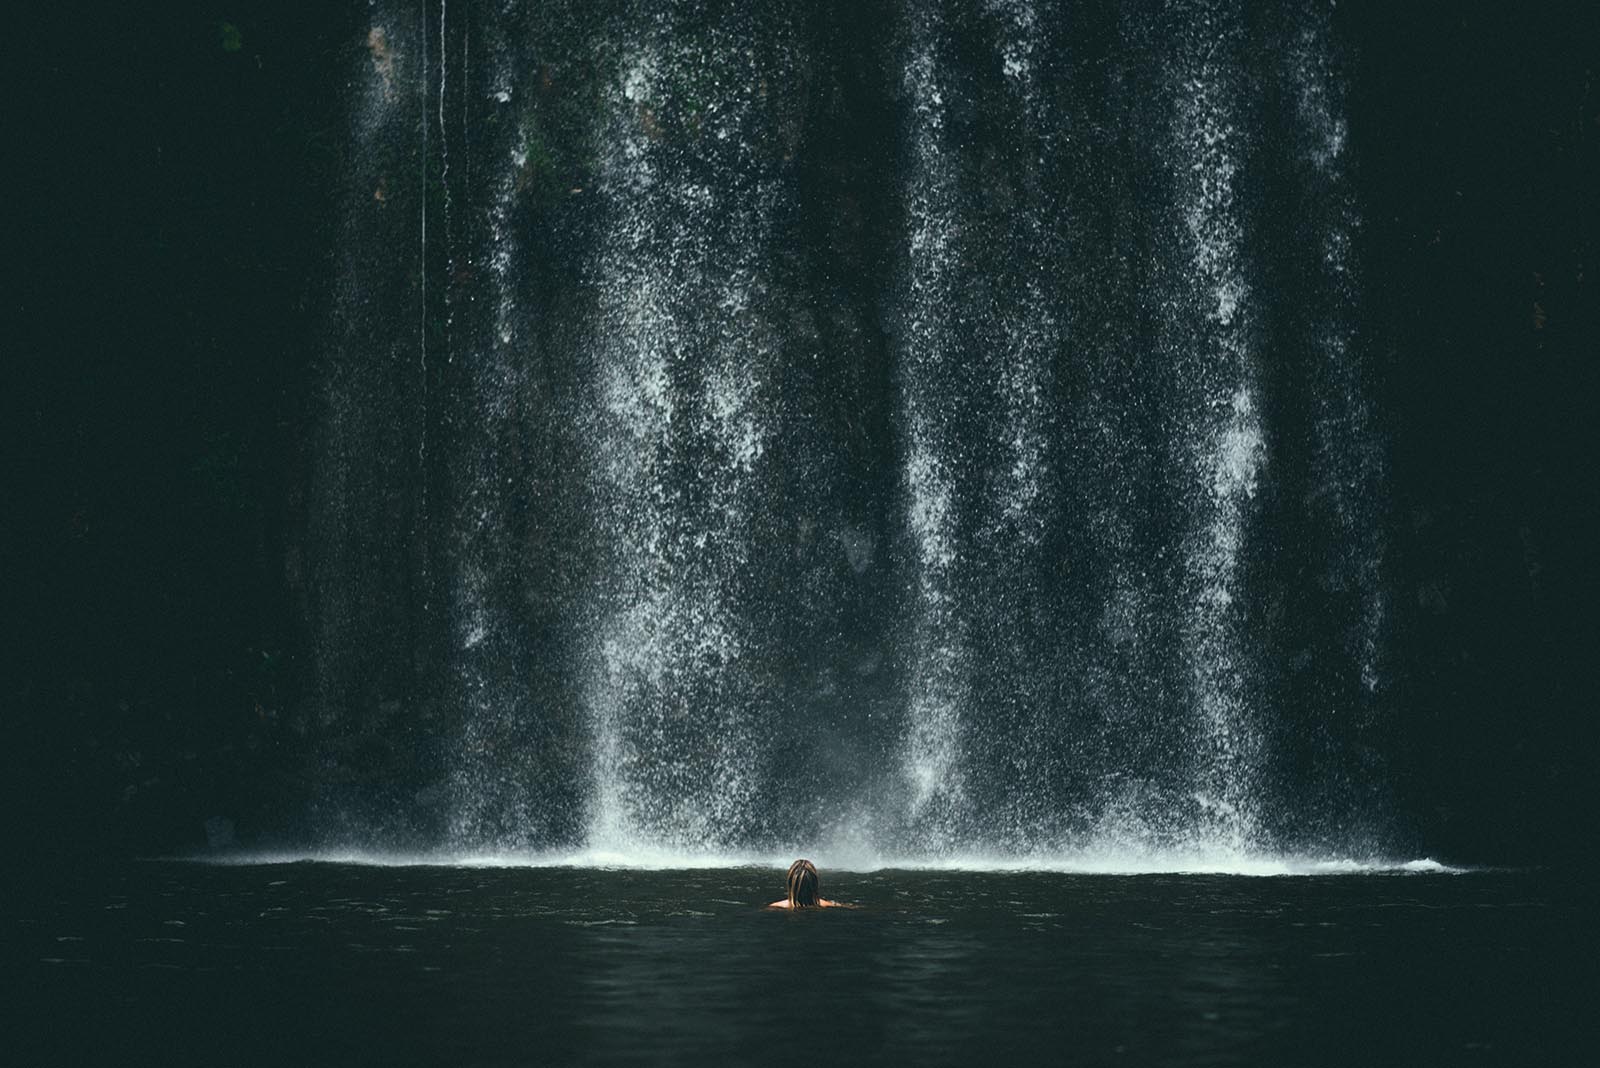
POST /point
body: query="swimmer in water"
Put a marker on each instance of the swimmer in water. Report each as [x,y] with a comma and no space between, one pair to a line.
[803,891]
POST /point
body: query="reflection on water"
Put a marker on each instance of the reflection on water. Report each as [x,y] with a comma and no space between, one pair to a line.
[334,964]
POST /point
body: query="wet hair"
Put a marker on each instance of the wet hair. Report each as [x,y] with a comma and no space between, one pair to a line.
[802,885]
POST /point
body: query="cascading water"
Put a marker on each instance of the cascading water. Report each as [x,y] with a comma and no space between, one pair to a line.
[675,420]
[1207,340]
[1029,509]
[1338,532]
[933,395]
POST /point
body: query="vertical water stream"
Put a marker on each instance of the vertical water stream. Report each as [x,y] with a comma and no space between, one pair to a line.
[676,418]
[596,550]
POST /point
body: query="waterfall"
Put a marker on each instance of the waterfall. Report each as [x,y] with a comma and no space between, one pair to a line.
[494,678]
[1208,340]
[1341,526]
[958,439]
[932,388]
[676,417]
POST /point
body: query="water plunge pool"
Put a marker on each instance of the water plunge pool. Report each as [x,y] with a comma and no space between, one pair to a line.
[332,963]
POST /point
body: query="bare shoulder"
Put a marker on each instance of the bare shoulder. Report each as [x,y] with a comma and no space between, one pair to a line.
[837,905]
[783,904]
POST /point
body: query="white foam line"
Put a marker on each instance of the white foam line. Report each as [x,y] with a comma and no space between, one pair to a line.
[1064,864]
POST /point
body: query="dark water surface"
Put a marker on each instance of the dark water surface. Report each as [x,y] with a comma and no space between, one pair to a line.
[178,963]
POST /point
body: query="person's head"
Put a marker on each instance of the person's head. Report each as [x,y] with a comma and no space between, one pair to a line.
[803,890]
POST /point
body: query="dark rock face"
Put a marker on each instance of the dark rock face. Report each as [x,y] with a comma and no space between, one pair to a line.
[1036,423]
